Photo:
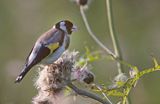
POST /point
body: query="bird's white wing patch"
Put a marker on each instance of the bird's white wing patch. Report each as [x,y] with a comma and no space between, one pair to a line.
[34,52]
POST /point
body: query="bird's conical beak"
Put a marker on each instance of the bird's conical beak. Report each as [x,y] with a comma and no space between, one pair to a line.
[74,28]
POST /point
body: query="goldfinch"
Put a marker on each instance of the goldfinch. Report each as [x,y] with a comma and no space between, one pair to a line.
[49,46]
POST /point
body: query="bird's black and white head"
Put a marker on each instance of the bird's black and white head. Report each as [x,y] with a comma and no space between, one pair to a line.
[66,26]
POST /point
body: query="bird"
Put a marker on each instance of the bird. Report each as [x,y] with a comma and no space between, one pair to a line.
[49,46]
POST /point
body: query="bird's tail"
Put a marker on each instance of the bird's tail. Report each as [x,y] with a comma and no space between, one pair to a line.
[22,74]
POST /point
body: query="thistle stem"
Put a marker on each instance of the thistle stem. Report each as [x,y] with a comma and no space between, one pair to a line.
[104,94]
[115,39]
[93,35]
[113,35]
[88,94]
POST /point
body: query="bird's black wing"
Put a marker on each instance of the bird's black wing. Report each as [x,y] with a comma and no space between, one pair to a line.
[35,56]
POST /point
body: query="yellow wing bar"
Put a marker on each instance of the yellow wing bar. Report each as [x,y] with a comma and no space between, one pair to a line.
[53,47]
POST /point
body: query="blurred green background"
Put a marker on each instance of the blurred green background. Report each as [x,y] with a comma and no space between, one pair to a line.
[137,23]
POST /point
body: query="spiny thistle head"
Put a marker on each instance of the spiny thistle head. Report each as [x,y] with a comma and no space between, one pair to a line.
[82,3]
[54,78]
[83,74]
[118,81]
[54,75]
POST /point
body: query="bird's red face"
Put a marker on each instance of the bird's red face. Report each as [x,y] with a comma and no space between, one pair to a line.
[66,26]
